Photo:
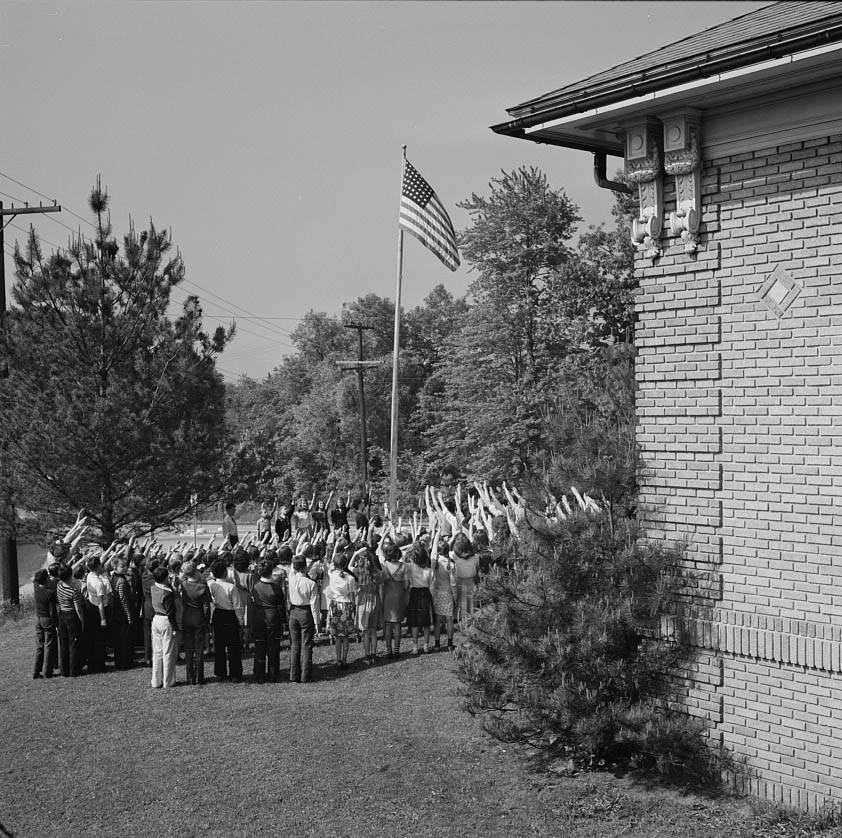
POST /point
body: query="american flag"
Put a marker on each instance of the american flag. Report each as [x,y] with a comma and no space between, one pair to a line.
[423,215]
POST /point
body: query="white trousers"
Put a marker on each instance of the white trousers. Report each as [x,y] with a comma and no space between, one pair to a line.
[164,652]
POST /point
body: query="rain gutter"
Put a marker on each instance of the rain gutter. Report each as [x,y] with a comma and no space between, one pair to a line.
[616,93]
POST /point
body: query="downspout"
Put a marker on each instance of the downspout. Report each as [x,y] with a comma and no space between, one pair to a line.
[599,175]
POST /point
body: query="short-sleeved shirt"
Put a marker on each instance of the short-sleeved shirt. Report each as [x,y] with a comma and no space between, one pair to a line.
[99,589]
[421,577]
[342,589]
[302,518]
[229,530]
[303,592]
[466,568]
[226,597]
[68,596]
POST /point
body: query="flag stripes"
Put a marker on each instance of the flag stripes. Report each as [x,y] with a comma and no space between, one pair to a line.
[423,215]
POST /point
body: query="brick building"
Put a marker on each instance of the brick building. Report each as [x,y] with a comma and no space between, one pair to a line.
[732,140]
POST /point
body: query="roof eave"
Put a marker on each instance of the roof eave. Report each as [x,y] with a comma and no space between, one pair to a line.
[596,106]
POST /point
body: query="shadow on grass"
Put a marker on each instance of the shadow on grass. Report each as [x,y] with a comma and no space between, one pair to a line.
[551,763]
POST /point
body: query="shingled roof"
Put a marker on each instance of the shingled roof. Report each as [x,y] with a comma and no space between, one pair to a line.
[770,32]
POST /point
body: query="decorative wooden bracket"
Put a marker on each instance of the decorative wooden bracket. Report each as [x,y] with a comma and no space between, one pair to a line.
[643,167]
[682,160]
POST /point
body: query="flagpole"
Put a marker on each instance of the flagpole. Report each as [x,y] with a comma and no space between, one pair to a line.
[393,454]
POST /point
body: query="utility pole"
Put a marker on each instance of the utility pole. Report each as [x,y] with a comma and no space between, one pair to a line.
[9,580]
[359,365]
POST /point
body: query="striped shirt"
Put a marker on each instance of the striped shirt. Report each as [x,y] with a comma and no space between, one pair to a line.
[68,597]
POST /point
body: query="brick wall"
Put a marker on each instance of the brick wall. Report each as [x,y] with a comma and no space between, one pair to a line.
[739,426]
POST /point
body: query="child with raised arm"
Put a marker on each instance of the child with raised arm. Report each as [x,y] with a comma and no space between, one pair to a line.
[342,593]
[396,582]
[263,526]
[419,614]
[444,590]
[369,616]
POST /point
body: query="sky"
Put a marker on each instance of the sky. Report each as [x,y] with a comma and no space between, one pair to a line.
[267,136]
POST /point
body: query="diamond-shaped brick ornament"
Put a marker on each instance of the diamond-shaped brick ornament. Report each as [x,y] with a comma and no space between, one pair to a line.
[779,291]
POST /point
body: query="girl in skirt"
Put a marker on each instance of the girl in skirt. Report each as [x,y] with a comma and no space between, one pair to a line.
[444,590]
[395,590]
[419,613]
[342,590]
[369,617]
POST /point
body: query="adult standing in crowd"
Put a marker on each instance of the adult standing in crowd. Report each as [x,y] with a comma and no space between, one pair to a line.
[268,615]
[228,619]
[196,599]
[46,626]
[304,616]
[164,630]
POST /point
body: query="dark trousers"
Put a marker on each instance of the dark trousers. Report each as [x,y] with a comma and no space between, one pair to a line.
[95,636]
[227,645]
[302,629]
[70,643]
[194,652]
[266,634]
[123,644]
[46,651]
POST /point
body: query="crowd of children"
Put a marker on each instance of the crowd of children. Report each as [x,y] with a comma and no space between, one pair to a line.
[306,569]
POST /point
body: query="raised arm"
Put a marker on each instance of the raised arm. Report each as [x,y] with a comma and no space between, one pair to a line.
[79,527]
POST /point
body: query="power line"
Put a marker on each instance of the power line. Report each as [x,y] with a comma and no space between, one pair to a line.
[253,352]
[46,197]
[279,317]
[231,302]
[40,237]
[12,197]
[272,329]
[77,231]
[268,334]
[31,189]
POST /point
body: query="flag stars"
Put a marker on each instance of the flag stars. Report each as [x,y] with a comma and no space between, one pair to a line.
[415,187]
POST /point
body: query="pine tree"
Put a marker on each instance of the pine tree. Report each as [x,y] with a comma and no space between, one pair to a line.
[564,654]
[110,405]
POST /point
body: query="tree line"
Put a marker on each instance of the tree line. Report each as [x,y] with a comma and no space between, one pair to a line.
[529,376]
[114,405]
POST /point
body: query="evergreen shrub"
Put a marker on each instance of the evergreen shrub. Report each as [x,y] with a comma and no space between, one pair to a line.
[563,651]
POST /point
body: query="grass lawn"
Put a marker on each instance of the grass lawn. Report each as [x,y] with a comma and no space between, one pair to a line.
[384,751]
